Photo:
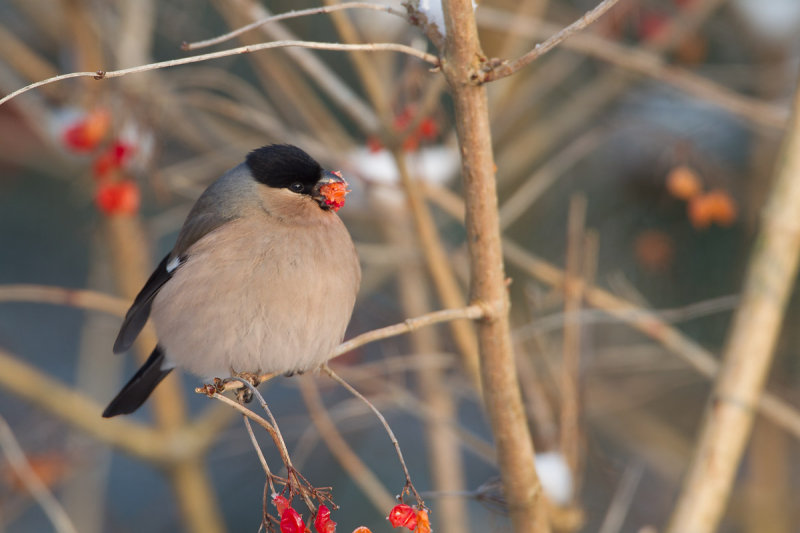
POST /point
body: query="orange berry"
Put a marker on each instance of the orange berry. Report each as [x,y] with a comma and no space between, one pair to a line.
[723,208]
[654,250]
[700,212]
[423,523]
[118,198]
[86,134]
[683,182]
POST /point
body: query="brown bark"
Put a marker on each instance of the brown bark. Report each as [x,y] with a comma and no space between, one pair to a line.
[502,398]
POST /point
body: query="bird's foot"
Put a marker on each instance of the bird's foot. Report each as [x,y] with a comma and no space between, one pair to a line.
[245,394]
[251,377]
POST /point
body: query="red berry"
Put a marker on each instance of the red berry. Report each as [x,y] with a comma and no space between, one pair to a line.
[118,198]
[84,135]
[280,503]
[403,515]
[374,145]
[291,522]
[428,128]
[323,522]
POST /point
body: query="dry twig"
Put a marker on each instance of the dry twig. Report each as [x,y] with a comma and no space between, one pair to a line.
[493,71]
[289,15]
[101,74]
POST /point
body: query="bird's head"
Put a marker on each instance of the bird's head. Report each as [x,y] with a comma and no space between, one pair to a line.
[297,175]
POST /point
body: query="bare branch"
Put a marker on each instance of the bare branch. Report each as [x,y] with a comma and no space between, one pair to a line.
[354,392]
[473,312]
[289,15]
[101,74]
[492,71]
[362,476]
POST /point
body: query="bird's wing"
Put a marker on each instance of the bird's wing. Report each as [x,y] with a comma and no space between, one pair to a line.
[136,317]
[136,391]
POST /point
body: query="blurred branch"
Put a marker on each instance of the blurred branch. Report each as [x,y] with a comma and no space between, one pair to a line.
[646,321]
[649,323]
[648,63]
[492,71]
[443,448]
[750,348]
[82,298]
[439,268]
[101,74]
[570,405]
[30,384]
[28,478]
[22,58]
[623,498]
[288,15]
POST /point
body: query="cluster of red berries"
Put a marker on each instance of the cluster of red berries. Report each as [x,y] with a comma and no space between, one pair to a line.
[427,130]
[115,192]
[401,515]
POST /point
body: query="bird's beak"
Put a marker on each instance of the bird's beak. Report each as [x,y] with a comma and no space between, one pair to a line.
[330,190]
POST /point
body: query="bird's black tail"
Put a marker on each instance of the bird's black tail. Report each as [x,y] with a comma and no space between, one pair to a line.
[138,389]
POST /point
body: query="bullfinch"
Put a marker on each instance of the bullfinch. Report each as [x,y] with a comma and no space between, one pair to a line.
[262,279]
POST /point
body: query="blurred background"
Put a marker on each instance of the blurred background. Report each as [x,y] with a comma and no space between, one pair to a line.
[637,155]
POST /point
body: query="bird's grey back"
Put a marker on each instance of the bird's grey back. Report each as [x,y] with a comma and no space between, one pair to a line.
[219,204]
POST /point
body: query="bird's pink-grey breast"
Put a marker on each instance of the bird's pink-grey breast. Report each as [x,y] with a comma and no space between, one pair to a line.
[262,278]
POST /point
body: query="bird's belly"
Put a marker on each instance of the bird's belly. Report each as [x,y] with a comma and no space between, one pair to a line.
[258,310]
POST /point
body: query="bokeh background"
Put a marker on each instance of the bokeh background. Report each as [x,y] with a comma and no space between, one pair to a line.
[655,132]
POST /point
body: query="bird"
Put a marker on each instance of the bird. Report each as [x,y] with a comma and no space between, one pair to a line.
[262,279]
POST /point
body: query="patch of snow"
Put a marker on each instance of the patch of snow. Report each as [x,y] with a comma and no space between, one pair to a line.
[555,476]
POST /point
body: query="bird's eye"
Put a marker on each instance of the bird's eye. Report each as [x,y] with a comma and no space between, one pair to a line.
[297,187]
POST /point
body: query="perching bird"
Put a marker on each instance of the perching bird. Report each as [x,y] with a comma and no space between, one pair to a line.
[262,279]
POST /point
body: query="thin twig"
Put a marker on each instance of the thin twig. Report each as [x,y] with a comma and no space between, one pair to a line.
[255,418]
[359,472]
[651,64]
[22,468]
[409,485]
[288,15]
[473,312]
[268,483]
[492,72]
[623,497]
[101,74]
[260,454]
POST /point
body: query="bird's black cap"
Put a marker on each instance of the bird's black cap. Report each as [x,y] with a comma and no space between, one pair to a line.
[283,165]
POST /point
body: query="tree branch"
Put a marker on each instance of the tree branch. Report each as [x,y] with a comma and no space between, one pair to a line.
[473,312]
[289,15]
[493,71]
[101,74]
[502,397]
